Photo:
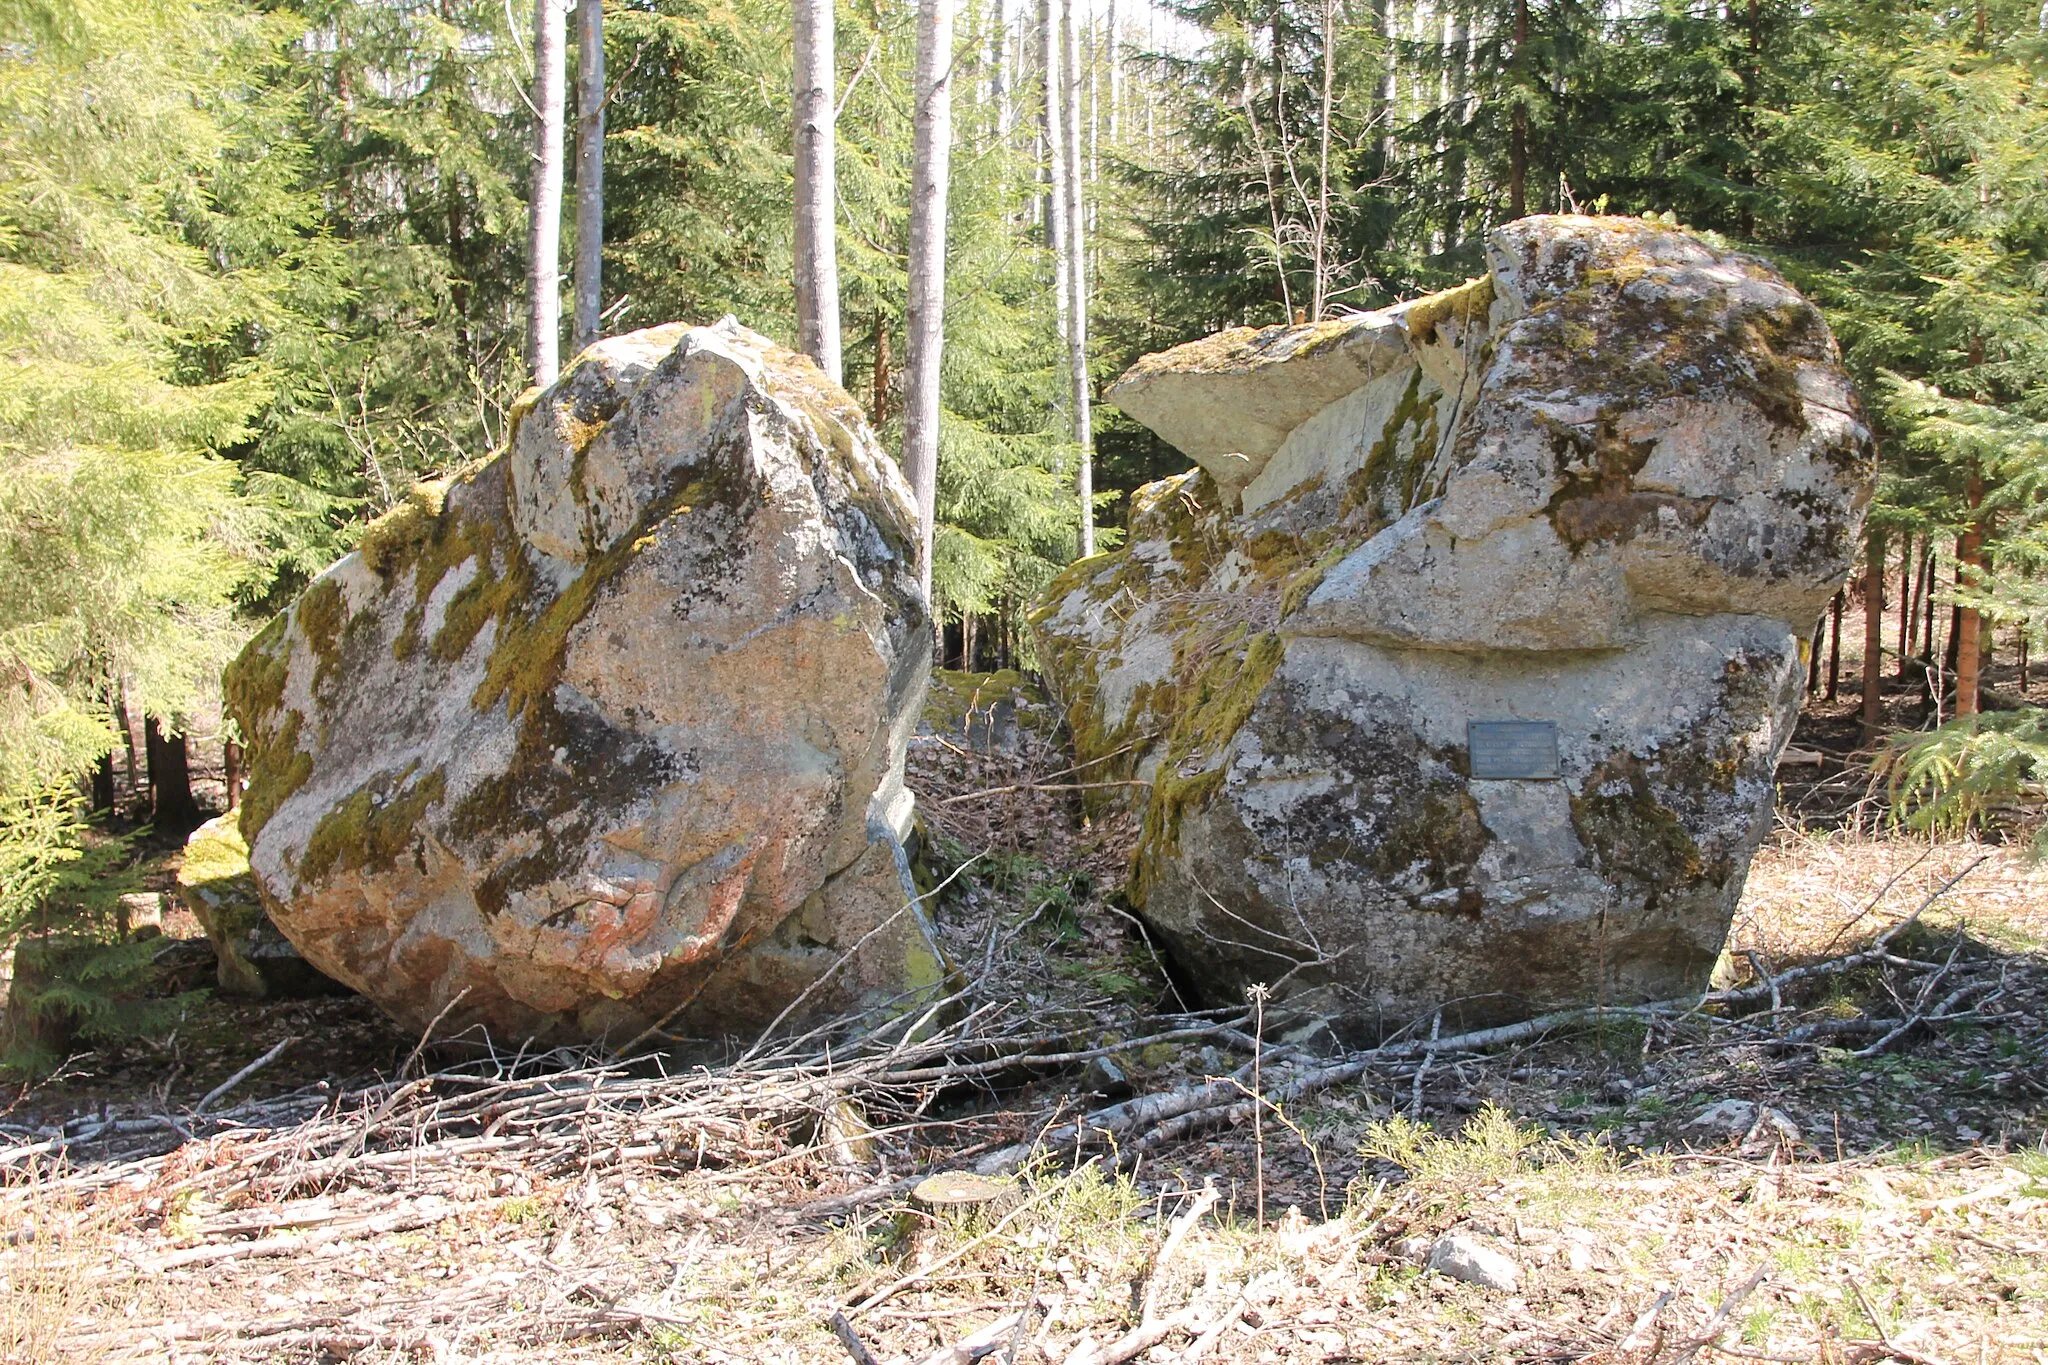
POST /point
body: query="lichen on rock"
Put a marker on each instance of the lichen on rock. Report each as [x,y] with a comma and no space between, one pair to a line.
[1606,486]
[608,730]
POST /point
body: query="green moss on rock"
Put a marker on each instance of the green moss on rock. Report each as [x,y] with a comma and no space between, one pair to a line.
[395,539]
[216,885]
[373,827]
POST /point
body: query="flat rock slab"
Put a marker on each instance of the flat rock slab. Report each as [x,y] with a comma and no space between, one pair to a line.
[1467,1258]
[608,730]
[1465,691]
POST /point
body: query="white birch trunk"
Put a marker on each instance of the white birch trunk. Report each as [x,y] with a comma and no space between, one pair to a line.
[1051,14]
[924,325]
[589,277]
[1077,281]
[544,203]
[817,195]
[1116,79]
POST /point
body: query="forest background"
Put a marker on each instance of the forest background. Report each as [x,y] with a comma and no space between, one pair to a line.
[263,266]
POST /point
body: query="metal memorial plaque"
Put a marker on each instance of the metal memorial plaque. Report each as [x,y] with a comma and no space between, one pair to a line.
[1512,748]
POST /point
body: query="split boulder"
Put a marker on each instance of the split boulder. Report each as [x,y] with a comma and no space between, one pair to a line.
[607,731]
[1460,666]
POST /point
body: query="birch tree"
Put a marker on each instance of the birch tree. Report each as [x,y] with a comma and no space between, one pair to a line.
[1075,272]
[1053,133]
[589,172]
[544,203]
[925,319]
[817,252]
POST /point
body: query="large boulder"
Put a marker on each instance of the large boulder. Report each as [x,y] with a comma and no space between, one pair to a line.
[608,730]
[1461,665]
[251,958]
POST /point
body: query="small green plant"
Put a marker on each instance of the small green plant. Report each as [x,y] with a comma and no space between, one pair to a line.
[1492,1147]
[2033,1164]
[77,978]
[1950,780]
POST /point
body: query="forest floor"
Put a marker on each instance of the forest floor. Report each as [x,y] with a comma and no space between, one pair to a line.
[1845,1160]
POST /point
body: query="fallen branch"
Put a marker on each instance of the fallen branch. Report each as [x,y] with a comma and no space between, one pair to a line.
[244,1074]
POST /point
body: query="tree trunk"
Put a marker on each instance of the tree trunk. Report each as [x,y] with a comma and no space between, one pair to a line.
[1873,635]
[544,201]
[924,324]
[817,251]
[999,72]
[1384,22]
[1518,128]
[103,782]
[1835,646]
[1111,40]
[1927,602]
[879,384]
[231,771]
[1319,286]
[171,807]
[2020,648]
[1050,15]
[589,172]
[1077,284]
[1458,61]
[1969,566]
[1906,604]
[124,716]
[1814,651]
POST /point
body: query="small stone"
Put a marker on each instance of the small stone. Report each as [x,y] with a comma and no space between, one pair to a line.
[960,1189]
[1412,1249]
[1725,1118]
[1105,1076]
[1471,1260]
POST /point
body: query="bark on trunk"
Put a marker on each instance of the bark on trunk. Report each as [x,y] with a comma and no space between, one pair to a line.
[924,326]
[171,807]
[999,70]
[1050,14]
[589,172]
[231,771]
[1077,285]
[1906,605]
[124,716]
[103,782]
[878,386]
[1835,646]
[1116,77]
[1456,113]
[1873,635]
[1969,566]
[544,201]
[817,252]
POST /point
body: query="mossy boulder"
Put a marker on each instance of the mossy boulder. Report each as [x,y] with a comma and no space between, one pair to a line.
[252,959]
[608,730]
[1606,487]
[1003,712]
